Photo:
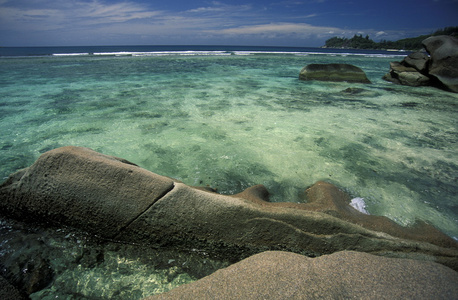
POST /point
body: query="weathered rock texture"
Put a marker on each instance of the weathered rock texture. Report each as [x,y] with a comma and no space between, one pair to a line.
[115,199]
[84,189]
[403,73]
[440,69]
[443,64]
[333,72]
[418,61]
[342,275]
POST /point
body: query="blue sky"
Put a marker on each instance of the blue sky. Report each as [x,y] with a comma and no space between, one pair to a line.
[186,22]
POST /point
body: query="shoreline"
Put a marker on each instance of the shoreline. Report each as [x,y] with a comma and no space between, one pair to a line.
[17,52]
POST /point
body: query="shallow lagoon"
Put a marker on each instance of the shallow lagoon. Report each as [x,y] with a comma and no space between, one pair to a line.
[232,121]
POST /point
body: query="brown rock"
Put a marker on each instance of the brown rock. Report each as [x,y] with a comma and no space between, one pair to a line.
[236,227]
[84,189]
[115,199]
[342,275]
[327,198]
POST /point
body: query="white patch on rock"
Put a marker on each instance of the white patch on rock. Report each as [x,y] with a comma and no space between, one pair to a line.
[359,204]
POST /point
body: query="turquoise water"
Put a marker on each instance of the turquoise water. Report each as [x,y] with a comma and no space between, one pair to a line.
[231,120]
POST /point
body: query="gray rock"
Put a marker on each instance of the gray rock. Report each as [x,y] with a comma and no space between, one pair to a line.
[439,70]
[406,75]
[441,47]
[413,79]
[417,60]
[333,72]
[114,199]
[444,60]
[342,275]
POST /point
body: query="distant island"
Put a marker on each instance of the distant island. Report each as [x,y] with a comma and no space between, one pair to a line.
[360,42]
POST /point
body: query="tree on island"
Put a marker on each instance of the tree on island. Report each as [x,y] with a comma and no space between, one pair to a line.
[360,42]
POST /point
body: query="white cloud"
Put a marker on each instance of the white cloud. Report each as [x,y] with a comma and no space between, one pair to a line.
[276,28]
[103,22]
[205,9]
[71,14]
[119,12]
[218,7]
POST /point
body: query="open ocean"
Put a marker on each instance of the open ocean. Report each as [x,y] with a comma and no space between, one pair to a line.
[228,117]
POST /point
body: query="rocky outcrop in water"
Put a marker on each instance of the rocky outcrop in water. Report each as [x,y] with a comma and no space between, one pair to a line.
[440,69]
[333,72]
[115,199]
[443,64]
[342,275]
[403,73]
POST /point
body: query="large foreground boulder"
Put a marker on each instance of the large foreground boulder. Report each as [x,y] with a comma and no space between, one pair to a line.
[79,187]
[333,72]
[342,275]
[118,200]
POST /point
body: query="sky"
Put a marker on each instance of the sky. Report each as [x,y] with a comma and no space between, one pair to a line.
[301,23]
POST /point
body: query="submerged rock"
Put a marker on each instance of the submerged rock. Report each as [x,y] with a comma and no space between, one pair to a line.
[9,292]
[115,199]
[333,72]
[27,274]
[342,275]
[354,91]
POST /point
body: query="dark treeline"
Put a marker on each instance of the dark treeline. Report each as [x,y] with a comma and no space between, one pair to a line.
[360,42]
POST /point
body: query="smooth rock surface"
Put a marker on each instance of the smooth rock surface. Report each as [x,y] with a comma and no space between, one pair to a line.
[342,275]
[416,60]
[114,199]
[443,64]
[333,72]
[441,47]
[79,187]
[439,70]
